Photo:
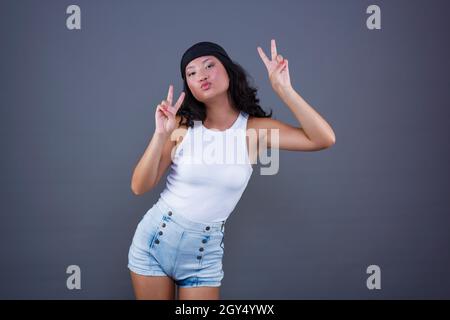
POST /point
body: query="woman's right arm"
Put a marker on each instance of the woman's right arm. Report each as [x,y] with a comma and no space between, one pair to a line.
[153,164]
[157,156]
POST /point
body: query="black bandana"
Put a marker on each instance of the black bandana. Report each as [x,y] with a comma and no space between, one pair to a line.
[199,49]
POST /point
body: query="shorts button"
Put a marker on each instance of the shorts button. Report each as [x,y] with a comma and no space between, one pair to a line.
[199,257]
[201,249]
[163,225]
[207,228]
[170,213]
[156,241]
[160,233]
[204,240]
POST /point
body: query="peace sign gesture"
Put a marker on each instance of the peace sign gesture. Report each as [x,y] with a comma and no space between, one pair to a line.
[277,67]
[165,113]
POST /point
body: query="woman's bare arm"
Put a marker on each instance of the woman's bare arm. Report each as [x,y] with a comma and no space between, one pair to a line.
[158,154]
[152,164]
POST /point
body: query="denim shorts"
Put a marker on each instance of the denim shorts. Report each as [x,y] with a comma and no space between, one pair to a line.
[168,244]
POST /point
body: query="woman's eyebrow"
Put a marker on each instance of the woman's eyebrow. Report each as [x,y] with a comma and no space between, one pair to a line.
[202,62]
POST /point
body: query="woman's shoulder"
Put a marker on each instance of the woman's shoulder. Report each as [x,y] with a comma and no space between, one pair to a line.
[258,122]
[180,130]
[178,120]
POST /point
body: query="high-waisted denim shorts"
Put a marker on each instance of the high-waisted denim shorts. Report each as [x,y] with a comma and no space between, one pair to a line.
[168,244]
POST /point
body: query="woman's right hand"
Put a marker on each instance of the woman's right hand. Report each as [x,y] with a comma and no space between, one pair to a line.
[165,113]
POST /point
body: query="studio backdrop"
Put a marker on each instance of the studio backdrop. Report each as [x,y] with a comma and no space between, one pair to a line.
[367,218]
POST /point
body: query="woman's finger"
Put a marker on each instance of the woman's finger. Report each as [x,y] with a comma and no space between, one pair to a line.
[263,56]
[164,106]
[170,95]
[169,110]
[273,47]
[280,66]
[166,113]
[165,103]
[179,102]
[160,108]
[283,64]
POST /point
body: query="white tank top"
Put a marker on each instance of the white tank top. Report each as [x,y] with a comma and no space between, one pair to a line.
[209,172]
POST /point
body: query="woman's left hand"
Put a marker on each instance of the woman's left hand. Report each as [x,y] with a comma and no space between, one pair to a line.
[277,67]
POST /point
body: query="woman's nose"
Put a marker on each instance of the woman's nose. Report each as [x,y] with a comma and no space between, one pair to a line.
[203,76]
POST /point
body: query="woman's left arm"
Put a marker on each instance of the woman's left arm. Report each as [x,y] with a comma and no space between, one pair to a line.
[315,133]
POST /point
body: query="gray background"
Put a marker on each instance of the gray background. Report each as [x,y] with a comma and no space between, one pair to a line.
[77,111]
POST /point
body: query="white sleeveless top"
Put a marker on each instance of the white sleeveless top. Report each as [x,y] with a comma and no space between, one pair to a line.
[209,172]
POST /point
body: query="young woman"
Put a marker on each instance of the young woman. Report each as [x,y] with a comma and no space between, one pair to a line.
[180,240]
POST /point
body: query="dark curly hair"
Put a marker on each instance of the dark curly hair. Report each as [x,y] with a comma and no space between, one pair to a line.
[242,94]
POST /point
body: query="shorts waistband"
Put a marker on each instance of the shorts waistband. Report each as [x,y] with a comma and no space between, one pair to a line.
[206,227]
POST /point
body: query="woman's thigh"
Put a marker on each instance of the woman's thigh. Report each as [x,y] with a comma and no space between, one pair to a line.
[153,287]
[199,293]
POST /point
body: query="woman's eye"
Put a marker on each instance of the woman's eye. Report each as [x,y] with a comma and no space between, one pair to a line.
[189,74]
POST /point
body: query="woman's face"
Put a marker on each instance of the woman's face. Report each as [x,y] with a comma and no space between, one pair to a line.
[206,77]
